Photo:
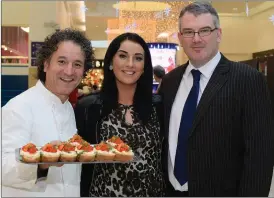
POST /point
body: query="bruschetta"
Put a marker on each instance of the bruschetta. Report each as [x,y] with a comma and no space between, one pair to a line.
[68,153]
[115,140]
[85,152]
[30,153]
[76,140]
[49,153]
[123,153]
[104,152]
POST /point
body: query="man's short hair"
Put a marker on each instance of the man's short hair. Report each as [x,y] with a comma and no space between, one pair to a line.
[200,7]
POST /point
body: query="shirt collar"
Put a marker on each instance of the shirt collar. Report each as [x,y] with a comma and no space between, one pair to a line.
[207,69]
[48,95]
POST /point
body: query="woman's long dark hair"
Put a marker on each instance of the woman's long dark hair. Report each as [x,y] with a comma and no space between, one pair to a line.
[142,101]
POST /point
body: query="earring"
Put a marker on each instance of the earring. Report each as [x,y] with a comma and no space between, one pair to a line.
[110,67]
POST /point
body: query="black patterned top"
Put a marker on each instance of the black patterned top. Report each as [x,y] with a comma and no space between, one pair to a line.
[137,179]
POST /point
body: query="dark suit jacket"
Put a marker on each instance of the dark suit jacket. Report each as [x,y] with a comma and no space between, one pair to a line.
[230,146]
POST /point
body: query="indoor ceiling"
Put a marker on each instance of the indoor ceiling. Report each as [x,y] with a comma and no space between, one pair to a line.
[234,6]
[100,14]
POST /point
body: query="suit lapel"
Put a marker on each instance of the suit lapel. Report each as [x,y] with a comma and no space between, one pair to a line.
[217,80]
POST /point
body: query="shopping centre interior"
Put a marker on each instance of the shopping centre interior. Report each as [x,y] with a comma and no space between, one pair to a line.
[247,27]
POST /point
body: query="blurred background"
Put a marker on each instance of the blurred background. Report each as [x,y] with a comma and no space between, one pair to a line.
[248,29]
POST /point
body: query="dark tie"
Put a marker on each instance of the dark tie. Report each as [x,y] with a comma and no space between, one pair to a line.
[180,168]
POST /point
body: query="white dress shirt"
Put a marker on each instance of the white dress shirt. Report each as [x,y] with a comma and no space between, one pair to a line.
[177,109]
[37,116]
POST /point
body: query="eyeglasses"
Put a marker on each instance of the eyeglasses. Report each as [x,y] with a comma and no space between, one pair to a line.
[202,32]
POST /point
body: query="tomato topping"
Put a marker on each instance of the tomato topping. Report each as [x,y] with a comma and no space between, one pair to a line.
[102,146]
[31,148]
[122,147]
[66,147]
[76,138]
[61,146]
[116,140]
[85,147]
[49,148]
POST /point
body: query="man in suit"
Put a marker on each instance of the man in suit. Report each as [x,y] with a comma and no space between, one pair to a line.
[218,119]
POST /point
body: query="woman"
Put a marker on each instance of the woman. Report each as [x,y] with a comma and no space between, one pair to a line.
[126,108]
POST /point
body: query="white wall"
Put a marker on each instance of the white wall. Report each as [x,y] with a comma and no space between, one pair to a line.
[63,17]
[264,30]
[100,53]
[15,13]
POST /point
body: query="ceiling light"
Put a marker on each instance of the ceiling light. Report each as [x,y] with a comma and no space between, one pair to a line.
[144,19]
[83,8]
[141,6]
[163,35]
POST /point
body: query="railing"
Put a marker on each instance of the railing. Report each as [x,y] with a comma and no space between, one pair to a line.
[12,60]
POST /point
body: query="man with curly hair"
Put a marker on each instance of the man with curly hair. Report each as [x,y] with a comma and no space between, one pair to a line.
[43,114]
